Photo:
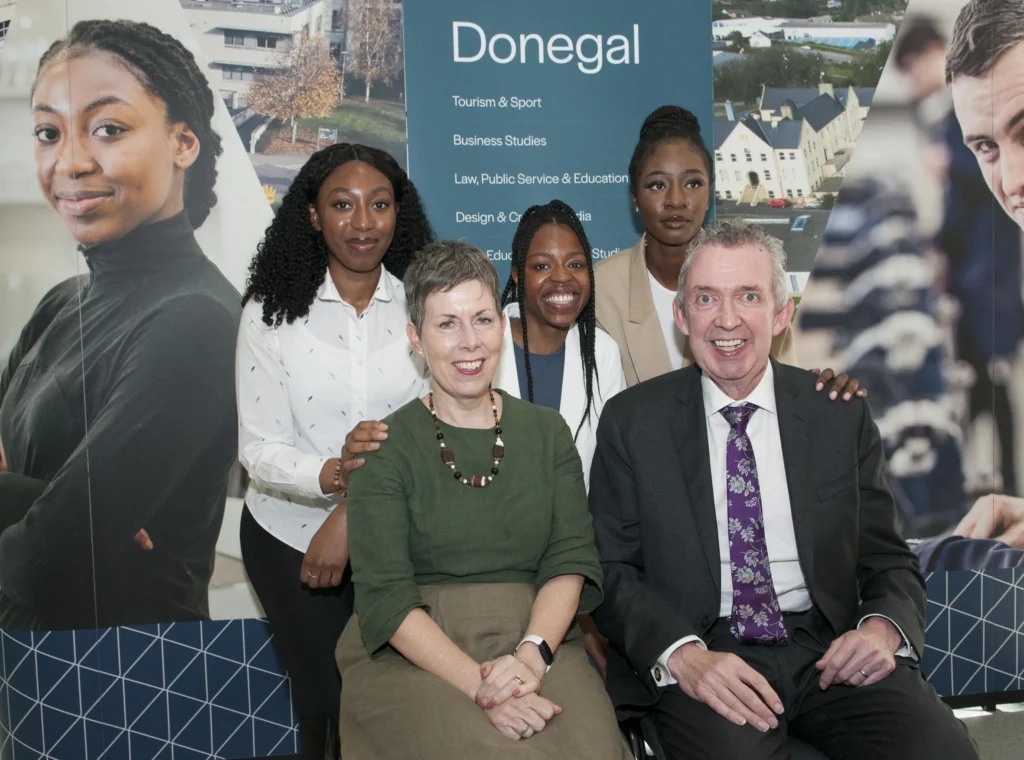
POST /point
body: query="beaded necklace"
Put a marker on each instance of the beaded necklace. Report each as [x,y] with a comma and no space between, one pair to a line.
[448,456]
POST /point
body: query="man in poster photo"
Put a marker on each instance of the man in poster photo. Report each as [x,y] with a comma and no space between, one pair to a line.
[985,73]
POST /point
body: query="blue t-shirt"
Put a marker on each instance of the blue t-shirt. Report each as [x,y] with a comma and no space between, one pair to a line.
[547,372]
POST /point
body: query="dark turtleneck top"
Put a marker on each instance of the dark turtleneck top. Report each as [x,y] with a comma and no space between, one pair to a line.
[117,413]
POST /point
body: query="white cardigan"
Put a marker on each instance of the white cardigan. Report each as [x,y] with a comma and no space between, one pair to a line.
[608,380]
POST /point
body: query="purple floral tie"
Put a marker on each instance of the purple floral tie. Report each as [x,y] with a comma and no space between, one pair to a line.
[756,616]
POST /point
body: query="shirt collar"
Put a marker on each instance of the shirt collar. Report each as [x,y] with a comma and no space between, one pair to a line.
[763,396]
[383,292]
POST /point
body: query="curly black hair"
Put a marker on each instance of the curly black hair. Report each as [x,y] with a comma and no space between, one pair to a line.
[291,259]
[167,71]
[667,123]
[554,212]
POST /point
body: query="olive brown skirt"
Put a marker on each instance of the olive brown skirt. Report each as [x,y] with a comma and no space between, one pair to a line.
[391,709]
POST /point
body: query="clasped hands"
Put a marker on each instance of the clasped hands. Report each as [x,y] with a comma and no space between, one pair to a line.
[510,693]
[737,692]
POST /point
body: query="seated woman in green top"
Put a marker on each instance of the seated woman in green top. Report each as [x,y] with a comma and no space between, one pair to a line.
[472,551]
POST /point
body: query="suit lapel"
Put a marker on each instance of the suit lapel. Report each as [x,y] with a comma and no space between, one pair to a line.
[644,338]
[794,431]
[690,433]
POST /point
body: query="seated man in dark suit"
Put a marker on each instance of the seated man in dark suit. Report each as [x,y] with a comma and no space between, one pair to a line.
[755,582]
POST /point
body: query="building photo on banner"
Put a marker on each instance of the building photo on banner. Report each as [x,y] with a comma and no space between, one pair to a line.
[299,75]
[792,92]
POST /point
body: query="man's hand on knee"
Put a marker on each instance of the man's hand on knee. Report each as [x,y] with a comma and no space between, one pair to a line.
[861,657]
[727,685]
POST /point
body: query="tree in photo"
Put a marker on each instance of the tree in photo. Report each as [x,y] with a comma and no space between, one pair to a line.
[304,85]
[376,53]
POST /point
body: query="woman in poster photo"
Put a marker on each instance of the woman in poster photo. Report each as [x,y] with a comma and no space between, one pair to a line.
[116,407]
[670,176]
[322,347]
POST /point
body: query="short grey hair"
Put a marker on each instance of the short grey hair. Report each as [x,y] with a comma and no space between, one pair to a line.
[984,30]
[736,234]
[441,266]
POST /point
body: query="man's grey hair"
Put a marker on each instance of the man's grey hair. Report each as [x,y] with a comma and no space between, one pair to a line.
[730,234]
[441,266]
[984,30]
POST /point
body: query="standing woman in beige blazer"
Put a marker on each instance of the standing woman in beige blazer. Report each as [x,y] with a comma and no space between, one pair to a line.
[670,186]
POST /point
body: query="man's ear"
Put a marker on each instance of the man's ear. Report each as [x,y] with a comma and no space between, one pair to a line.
[784,317]
[680,316]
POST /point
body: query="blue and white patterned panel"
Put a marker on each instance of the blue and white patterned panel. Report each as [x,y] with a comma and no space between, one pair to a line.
[215,691]
[974,641]
[183,691]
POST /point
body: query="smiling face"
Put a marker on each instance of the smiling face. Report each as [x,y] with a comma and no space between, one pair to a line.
[107,161]
[460,338]
[673,192]
[729,315]
[557,277]
[990,109]
[356,212]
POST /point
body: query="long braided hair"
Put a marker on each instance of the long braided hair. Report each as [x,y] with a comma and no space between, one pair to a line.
[167,71]
[554,212]
[667,123]
[290,261]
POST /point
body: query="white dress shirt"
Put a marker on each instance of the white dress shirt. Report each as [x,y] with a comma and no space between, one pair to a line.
[303,386]
[780,535]
[674,338]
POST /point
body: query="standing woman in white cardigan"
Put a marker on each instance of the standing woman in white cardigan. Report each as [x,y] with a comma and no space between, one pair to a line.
[554,354]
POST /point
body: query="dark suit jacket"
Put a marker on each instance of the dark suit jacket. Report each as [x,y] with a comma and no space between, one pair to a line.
[654,520]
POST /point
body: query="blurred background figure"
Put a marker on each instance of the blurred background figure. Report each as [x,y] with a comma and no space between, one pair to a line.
[886,327]
[981,245]
[916,291]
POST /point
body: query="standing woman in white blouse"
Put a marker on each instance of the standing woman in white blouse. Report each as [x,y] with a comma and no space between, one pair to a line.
[322,346]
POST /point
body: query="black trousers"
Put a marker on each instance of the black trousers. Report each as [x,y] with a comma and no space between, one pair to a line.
[306,624]
[899,718]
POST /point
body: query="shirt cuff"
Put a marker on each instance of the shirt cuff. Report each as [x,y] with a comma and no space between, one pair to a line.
[660,672]
[307,477]
[905,650]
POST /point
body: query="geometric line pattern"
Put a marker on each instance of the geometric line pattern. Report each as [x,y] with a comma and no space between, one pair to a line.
[216,690]
[974,639]
[176,691]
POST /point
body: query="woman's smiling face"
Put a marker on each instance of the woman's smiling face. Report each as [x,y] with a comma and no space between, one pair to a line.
[107,160]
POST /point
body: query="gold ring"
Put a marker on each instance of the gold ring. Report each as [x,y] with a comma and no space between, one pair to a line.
[519,681]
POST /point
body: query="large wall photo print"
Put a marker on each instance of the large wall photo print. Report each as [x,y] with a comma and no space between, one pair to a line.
[917,291]
[129,215]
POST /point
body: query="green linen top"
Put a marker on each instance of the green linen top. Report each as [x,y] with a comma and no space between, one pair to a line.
[411,522]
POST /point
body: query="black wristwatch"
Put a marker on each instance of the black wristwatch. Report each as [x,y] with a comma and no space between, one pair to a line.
[545,650]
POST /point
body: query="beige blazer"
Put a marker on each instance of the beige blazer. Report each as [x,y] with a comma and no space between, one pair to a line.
[625,310]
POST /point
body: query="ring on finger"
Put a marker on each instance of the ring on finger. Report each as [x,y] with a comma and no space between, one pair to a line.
[863,673]
[518,679]
[524,729]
